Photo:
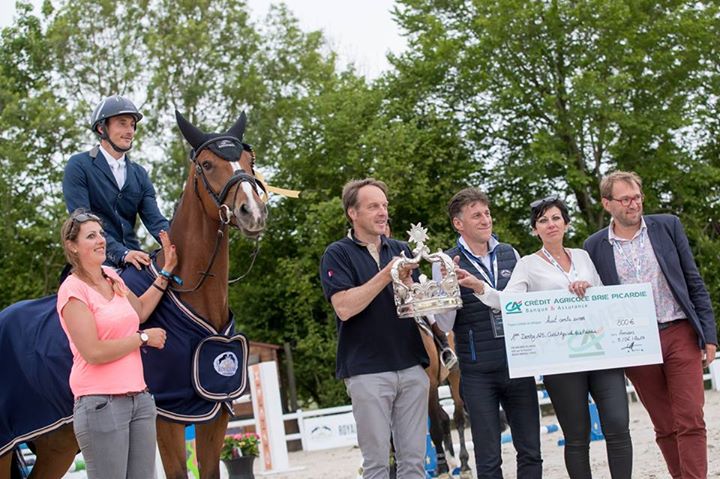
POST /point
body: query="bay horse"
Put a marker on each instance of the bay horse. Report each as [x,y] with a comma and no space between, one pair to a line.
[439,420]
[220,191]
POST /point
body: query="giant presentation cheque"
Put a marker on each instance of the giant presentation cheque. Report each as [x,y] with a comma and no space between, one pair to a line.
[550,332]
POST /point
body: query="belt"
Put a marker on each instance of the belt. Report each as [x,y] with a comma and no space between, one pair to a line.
[670,324]
[131,393]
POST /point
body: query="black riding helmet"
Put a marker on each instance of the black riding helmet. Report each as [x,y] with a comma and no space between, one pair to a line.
[112,106]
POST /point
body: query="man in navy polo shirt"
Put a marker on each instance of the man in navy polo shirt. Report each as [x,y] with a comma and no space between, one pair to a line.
[379,356]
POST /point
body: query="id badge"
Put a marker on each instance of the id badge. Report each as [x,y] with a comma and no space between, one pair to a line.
[497,323]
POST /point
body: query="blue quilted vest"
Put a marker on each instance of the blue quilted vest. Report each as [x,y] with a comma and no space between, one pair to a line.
[475,345]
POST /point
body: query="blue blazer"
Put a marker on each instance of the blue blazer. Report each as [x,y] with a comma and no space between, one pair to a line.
[675,258]
[89,183]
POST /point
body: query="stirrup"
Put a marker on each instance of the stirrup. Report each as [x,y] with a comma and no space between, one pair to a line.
[448,358]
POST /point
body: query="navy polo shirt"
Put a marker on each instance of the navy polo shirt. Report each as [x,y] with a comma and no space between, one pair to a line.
[375,340]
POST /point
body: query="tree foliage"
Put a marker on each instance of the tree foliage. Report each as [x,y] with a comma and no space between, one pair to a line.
[37,132]
[553,94]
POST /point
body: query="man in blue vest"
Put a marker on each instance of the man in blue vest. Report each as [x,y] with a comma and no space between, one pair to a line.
[379,356]
[480,347]
[105,181]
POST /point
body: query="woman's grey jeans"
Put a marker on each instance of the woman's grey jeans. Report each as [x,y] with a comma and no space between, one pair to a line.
[116,434]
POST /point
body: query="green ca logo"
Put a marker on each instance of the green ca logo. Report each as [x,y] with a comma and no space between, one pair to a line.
[586,345]
[513,307]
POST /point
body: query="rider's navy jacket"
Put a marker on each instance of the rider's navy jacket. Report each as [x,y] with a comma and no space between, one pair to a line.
[89,183]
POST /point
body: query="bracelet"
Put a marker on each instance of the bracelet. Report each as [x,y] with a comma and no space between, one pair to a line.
[158,287]
[171,277]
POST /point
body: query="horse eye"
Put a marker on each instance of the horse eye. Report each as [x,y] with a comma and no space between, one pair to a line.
[206,165]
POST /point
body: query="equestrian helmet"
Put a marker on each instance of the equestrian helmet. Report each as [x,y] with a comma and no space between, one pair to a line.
[113,106]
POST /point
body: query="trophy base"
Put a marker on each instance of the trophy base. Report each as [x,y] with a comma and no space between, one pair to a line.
[429,306]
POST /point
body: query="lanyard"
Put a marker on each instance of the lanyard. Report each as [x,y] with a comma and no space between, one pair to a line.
[570,275]
[488,275]
[636,262]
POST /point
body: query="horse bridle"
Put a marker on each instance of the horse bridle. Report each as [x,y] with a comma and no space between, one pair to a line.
[239,176]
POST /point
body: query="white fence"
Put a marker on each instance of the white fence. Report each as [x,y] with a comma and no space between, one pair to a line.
[335,427]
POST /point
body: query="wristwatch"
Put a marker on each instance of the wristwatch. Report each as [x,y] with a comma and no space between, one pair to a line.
[144,337]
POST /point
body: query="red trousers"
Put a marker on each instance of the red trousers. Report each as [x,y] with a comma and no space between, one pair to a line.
[674,395]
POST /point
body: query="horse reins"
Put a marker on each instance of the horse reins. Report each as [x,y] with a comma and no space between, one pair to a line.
[238,176]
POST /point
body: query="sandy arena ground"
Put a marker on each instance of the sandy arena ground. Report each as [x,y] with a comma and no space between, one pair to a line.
[648,463]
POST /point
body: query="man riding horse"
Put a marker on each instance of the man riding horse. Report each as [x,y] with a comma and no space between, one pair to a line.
[105,181]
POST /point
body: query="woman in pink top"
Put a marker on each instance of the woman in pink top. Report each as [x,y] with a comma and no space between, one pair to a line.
[114,415]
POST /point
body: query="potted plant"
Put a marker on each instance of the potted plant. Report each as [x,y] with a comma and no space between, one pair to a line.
[238,453]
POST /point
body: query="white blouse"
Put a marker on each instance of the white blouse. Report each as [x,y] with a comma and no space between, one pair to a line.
[535,273]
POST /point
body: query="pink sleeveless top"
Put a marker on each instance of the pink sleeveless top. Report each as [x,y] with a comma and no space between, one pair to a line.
[114,319]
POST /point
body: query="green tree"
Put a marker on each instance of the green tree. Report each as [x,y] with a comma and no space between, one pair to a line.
[37,134]
[552,94]
[349,129]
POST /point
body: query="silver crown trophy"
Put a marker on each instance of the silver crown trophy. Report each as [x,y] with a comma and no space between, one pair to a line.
[426,297]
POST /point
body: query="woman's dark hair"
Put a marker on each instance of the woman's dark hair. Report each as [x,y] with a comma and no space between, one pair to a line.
[539,207]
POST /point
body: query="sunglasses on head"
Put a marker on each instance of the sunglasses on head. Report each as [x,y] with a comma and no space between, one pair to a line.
[83,217]
[544,201]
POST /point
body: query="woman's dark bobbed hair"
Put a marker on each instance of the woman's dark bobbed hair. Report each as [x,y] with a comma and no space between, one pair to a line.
[539,207]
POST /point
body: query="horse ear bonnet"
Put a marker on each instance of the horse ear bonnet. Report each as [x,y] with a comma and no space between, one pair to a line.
[229,145]
[226,149]
[192,134]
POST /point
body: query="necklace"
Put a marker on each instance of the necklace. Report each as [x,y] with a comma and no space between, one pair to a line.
[569,275]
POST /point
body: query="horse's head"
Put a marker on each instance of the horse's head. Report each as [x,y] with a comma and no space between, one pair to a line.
[224,167]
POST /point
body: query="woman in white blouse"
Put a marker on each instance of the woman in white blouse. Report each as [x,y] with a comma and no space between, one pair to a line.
[557,267]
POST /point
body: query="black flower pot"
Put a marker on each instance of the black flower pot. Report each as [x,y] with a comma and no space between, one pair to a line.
[240,467]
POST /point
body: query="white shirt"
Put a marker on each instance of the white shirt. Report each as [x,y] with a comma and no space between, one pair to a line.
[116,166]
[535,273]
[446,321]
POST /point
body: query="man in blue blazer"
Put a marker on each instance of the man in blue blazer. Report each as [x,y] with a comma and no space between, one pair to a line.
[654,249]
[105,181]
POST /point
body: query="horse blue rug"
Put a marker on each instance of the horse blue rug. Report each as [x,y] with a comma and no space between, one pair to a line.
[200,369]
[35,395]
